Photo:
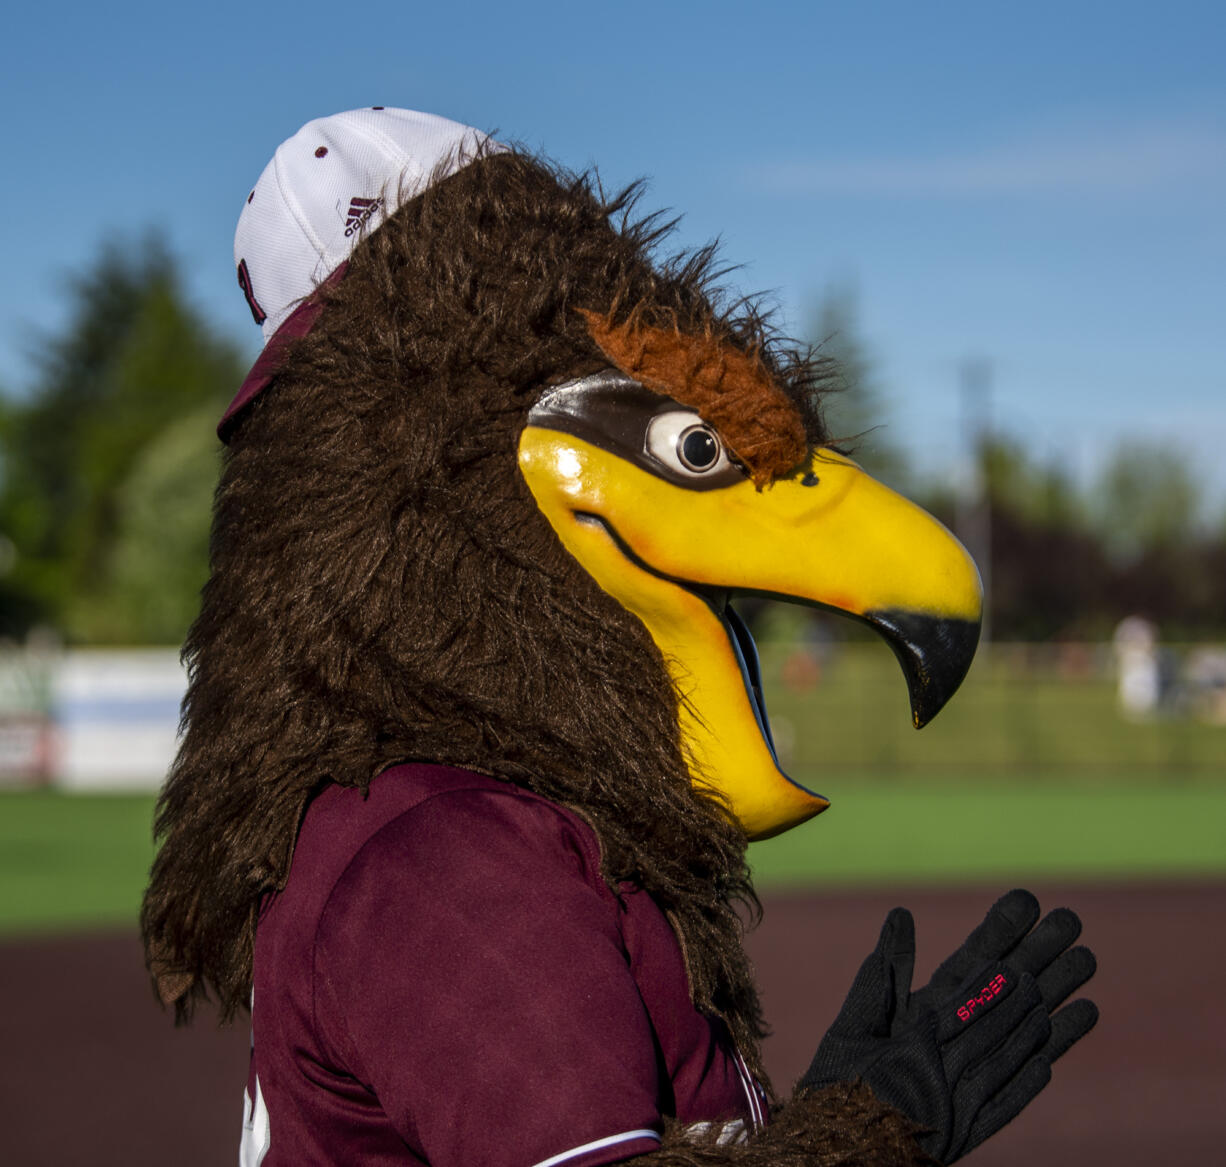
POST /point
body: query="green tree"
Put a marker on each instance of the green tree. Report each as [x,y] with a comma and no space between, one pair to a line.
[133,360]
[1146,500]
[1042,494]
[158,558]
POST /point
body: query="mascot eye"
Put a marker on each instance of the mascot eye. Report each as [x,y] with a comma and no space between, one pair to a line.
[698,448]
[685,444]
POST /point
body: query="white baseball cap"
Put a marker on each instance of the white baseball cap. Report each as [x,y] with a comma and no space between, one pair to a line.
[333,182]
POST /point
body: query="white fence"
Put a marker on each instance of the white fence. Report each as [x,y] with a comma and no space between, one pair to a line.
[104,719]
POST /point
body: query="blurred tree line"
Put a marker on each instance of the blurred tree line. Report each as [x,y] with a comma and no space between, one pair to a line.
[1066,562]
[109,458]
[1071,565]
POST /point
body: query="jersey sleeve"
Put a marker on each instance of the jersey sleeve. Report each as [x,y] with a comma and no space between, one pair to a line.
[471,973]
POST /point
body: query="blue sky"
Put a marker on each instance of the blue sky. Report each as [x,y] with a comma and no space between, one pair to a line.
[1040,185]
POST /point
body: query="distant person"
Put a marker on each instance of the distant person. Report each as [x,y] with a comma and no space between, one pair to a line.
[1139,667]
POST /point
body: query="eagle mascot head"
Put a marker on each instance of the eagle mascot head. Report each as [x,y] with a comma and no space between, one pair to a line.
[483,503]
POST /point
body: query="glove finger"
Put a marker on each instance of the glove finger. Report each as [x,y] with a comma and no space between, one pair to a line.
[1066,975]
[900,955]
[869,1006]
[1007,1104]
[1053,934]
[1007,922]
[1070,1025]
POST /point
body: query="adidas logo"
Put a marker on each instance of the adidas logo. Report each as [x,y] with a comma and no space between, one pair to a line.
[360,210]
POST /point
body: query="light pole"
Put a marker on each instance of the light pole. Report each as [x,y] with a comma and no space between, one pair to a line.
[973,515]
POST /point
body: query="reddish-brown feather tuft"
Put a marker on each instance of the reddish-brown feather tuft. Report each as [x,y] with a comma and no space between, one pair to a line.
[728,386]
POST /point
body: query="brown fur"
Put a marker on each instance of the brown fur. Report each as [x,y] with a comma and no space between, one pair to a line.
[729,387]
[383,587]
[841,1126]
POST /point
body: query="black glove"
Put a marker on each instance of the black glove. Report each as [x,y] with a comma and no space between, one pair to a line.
[963,1055]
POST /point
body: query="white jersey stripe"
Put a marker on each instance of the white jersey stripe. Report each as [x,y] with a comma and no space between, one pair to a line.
[598,1145]
[757,1118]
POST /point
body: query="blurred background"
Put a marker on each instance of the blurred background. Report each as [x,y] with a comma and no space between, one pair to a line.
[1004,221]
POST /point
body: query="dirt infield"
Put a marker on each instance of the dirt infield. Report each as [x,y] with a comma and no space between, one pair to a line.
[92,1074]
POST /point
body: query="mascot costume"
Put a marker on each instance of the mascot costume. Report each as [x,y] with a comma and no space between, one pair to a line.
[474,742]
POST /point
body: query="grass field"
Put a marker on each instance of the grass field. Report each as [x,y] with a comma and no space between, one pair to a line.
[73,861]
[1029,774]
[918,830]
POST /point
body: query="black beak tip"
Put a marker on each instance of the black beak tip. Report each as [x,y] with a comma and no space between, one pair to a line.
[935,654]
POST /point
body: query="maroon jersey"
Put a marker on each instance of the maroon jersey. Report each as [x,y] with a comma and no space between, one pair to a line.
[447,980]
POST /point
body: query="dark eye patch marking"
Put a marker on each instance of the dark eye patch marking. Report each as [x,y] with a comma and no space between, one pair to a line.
[614,412]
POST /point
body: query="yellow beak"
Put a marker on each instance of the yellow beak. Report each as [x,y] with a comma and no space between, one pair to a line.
[831,537]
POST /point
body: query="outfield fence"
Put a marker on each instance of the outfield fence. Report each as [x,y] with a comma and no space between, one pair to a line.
[89,719]
[1038,709]
[108,718]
